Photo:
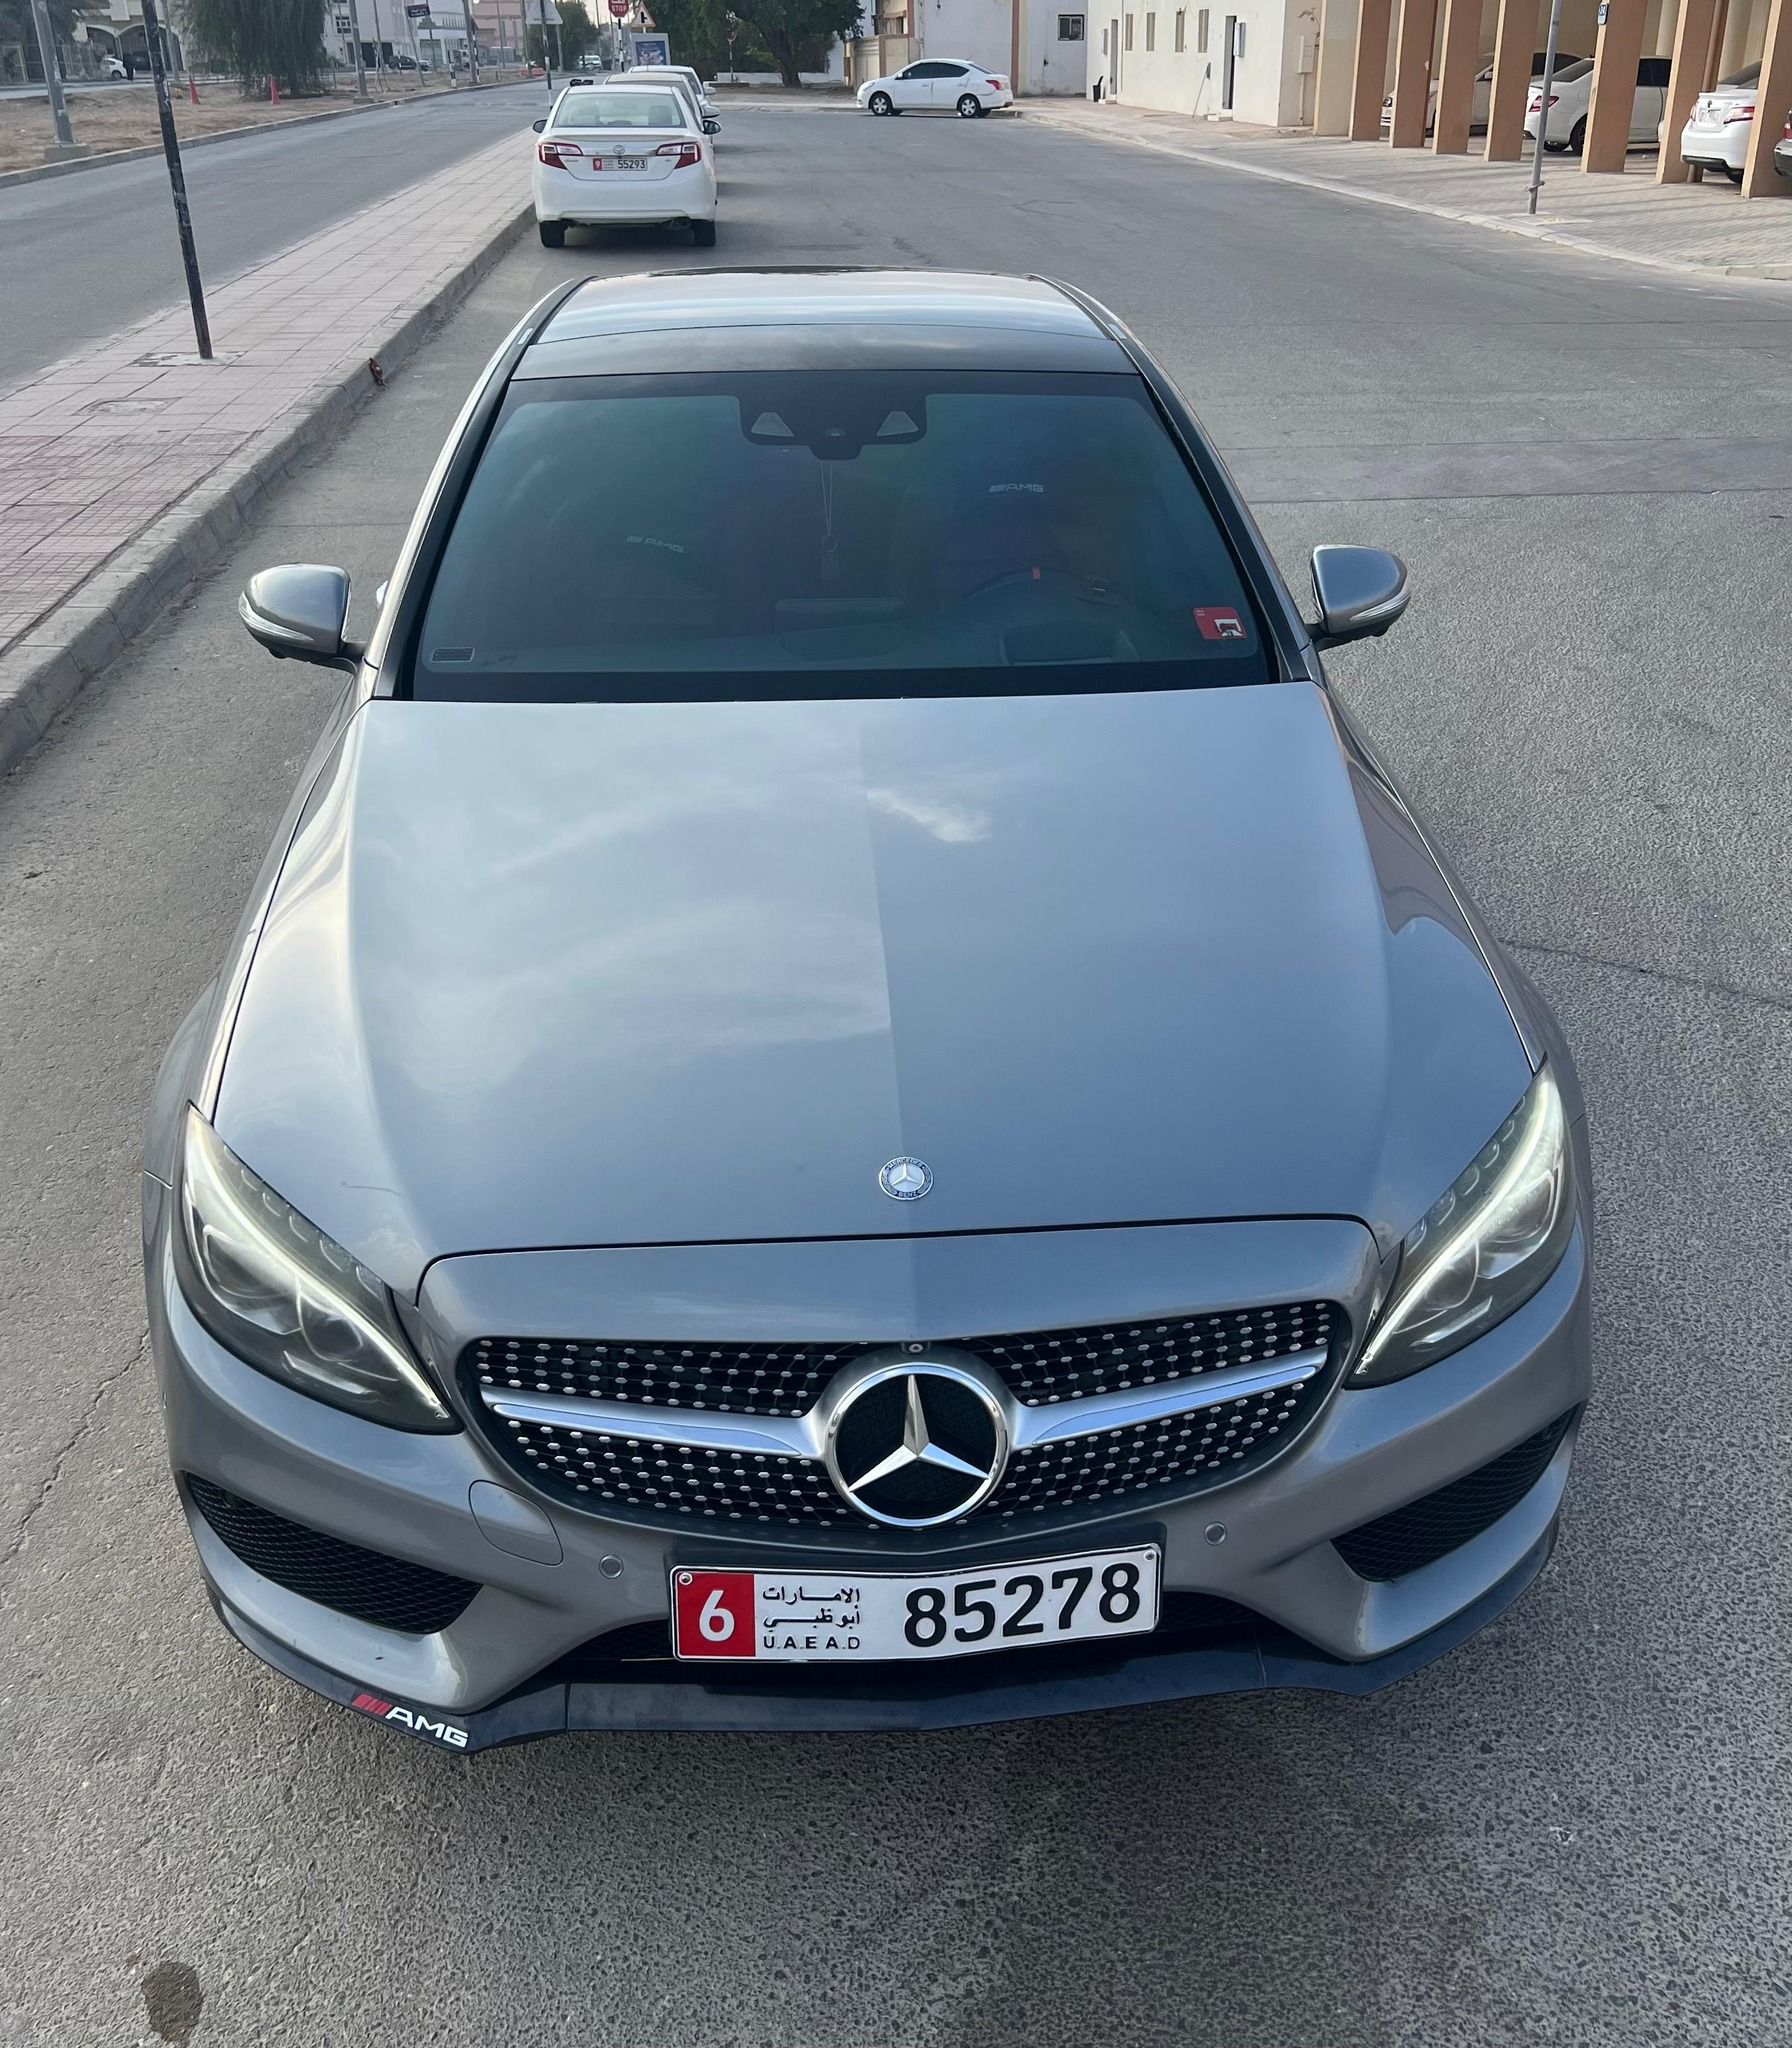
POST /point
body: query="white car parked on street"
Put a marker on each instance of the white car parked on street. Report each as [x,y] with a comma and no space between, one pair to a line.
[949,85]
[1716,136]
[609,156]
[1571,95]
[1480,105]
[649,74]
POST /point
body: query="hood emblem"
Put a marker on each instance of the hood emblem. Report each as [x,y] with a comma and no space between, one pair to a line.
[912,1446]
[905,1180]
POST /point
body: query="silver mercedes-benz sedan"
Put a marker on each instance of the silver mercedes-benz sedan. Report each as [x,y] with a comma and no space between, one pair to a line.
[847,1098]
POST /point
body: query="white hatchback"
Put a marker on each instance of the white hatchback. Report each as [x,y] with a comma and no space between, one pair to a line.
[1716,136]
[948,85]
[610,156]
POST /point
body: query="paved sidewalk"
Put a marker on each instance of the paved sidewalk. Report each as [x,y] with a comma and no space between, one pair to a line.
[1692,227]
[125,469]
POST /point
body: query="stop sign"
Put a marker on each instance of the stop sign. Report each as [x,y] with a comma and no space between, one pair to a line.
[619,8]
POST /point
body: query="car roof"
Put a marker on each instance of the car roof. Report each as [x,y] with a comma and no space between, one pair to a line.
[827,319]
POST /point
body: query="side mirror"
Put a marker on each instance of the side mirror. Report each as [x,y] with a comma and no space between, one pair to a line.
[1361,592]
[538,126]
[298,612]
[712,126]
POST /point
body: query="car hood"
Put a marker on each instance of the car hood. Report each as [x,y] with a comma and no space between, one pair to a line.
[555,975]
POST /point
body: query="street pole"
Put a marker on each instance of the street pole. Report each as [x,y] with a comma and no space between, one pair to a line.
[65,144]
[379,49]
[354,29]
[547,64]
[183,220]
[466,8]
[1549,78]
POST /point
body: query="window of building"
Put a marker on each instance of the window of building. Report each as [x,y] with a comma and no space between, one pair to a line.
[1151,31]
[1181,30]
[1126,37]
[1070,28]
[1201,30]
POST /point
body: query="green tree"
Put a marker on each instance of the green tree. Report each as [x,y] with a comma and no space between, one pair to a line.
[262,39]
[16,26]
[698,30]
[572,36]
[797,30]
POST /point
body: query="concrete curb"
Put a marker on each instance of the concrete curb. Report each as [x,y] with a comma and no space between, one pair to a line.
[43,672]
[1527,230]
[33,172]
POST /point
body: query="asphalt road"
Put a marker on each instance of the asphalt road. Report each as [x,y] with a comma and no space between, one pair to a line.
[87,254]
[1573,1831]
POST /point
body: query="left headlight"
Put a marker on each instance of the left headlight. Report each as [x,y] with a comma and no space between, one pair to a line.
[1484,1248]
[286,1298]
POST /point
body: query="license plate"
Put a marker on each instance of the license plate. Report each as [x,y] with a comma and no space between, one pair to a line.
[877,1617]
[629,163]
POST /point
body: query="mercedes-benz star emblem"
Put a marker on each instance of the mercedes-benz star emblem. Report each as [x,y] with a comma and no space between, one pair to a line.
[918,1443]
[905,1180]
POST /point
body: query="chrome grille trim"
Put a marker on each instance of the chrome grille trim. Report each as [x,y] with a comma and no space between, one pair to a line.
[772,1436]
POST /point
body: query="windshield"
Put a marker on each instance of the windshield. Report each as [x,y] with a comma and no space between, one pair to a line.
[1750,74]
[615,108]
[832,534]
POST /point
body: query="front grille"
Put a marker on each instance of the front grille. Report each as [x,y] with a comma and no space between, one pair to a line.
[1425,1530]
[643,1469]
[389,1592]
[1186,1621]
[1206,1444]
[788,1379]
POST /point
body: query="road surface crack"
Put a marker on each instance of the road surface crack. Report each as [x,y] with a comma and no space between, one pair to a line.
[77,1437]
[1761,998]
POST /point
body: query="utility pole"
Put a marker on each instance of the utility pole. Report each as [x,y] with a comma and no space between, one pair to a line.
[547,63]
[183,220]
[354,29]
[466,8]
[65,143]
[1549,79]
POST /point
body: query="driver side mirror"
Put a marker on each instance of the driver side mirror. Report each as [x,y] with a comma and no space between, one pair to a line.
[538,126]
[299,612]
[1361,592]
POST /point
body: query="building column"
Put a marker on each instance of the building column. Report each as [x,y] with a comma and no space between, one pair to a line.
[1456,76]
[1733,52]
[1368,83]
[1412,72]
[1692,46]
[1336,60]
[1615,58]
[1773,101]
[1514,45]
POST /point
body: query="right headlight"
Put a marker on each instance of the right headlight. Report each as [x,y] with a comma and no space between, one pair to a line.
[287,1299]
[1484,1248]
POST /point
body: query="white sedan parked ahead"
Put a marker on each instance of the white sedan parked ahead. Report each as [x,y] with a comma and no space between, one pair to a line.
[949,84]
[1571,100]
[608,156]
[1716,136]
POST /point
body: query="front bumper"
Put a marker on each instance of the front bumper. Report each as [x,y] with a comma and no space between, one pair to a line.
[1366,1453]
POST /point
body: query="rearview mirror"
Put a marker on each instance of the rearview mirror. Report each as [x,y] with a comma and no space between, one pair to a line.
[1361,592]
[298,612]
[538,126]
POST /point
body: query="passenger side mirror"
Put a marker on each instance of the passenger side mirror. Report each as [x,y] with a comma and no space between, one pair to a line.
[538,126]
[298,612]
[1361,592]
[711,126]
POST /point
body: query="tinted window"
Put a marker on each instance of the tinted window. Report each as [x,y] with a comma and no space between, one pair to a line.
[634,109]
[832,534]
[1566,74]
[1654,70]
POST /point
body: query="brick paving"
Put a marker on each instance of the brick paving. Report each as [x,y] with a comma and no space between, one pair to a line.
[1700,227]
[97,447]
